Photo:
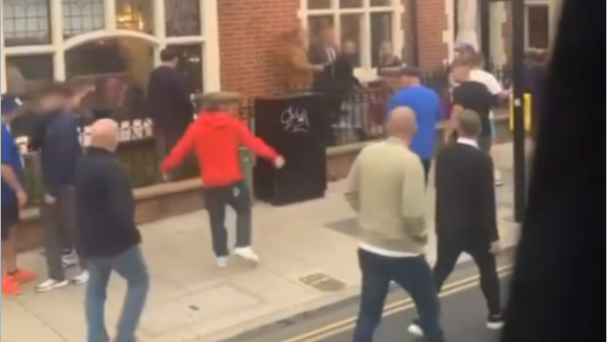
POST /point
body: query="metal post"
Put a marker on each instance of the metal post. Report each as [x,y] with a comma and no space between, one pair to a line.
[518,80]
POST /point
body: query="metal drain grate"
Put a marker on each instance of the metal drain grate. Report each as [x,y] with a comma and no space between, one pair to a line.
[322,282]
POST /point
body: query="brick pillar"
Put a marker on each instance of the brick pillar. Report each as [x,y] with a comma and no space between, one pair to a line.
[433,28]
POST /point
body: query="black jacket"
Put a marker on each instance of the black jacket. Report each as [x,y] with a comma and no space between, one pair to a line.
[465,196]
[337,78]
[105,206]
[168,101]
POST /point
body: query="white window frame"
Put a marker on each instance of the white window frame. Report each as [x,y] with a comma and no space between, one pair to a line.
[209,37]
[535,3]
[366,72]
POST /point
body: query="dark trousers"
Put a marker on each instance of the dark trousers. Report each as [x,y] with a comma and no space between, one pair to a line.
[216,199]
[427,164]
[414,275]
[449,252]
[131,266]
[59,222]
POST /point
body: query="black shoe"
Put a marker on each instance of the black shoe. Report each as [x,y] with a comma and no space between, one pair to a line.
[495,322]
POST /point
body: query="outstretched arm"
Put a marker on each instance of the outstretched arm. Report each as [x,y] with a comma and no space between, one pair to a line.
[183,146]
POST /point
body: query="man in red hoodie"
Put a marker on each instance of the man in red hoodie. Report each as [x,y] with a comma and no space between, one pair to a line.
[216,136]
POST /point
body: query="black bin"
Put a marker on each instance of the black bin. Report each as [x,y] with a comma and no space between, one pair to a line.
[297,127]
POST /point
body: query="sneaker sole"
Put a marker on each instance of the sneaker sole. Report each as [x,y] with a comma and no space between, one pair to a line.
[56,287]
[495,326]
[416,331]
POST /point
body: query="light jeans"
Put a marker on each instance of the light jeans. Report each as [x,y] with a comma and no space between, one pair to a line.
[130,266]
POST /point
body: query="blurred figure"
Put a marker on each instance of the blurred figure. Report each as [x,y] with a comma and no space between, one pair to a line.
[14,198]
[387,57]
[60,150]
[168,102]
[107,230]
[297,69]
[386,189]
[466,219]
[464,51]
[215,138]
[425,104]
[324,49]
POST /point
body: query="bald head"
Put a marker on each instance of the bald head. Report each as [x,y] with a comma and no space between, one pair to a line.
[104,134]
[402,123]
[469,125]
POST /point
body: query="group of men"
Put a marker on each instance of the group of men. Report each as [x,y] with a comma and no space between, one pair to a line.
[387,187]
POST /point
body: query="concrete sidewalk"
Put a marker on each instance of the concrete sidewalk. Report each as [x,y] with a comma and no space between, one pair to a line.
[308,256]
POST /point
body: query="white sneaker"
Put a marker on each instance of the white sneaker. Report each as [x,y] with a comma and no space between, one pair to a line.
[81,278]
[247,254]
[51,285]
[416,330]
[222,262]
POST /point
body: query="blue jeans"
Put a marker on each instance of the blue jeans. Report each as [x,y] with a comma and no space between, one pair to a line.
[130,266]
[414,275]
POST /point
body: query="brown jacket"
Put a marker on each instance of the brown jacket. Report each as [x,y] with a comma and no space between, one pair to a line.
[297,70]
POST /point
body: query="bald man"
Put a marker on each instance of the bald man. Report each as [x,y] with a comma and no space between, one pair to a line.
[109,235]
[386,188]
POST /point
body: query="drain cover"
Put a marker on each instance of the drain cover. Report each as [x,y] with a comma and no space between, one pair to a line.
[323,282]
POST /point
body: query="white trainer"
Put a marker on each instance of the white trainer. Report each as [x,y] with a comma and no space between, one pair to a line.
[222,262]
[51,284]
[247,254]
[416,330]
[81,278]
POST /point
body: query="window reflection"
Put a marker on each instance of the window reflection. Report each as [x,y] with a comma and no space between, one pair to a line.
[81,16]
[136,15]
[351,32]
[182,18]
[26,22]
[538,17]
[24,72]
[381,36]
[191,65]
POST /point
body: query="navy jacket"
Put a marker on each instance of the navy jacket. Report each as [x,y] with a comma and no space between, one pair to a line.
[60,150]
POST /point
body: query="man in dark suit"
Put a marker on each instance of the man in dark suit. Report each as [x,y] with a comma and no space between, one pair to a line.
[324,50]
[466,214]
[168,102]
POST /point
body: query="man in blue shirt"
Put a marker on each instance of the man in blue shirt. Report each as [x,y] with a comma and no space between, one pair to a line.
[427,107]
[14,199]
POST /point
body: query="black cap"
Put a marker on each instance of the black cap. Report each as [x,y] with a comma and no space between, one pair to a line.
[404,71]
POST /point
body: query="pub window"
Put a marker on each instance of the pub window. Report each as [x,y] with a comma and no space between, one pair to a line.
[26,22]
[182,18]
[82,16]
[538,26]
[191,65]
[135,15]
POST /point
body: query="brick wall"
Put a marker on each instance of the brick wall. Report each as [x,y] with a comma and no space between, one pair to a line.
[432,23]
[249,32]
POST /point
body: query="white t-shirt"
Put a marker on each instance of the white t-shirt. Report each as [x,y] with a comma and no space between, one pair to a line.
[486,78]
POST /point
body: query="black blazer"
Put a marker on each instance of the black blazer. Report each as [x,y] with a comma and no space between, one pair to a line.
[337,78]
[105,206]
[168,101]
[317,54]
[465,196]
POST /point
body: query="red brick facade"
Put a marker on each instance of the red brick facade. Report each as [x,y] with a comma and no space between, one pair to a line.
[249,34]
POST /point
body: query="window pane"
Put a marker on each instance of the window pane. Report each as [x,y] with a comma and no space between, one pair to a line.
[538,26]
[182,18]
[381,3]
[191,65]
[381,38]
[26,22]
[351,34]
[317,24]
[82,16]
[350,3]
[136,15]
[24,72]
[319,4]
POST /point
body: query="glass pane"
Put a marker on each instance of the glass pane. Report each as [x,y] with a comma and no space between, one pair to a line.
[136,15]
[82,16]
[182,18]
[538,26]
[26,22]
[380,3]
[191,65]
[319,4]
[24,72]
[119,68]
[317,24]
[351,35]
[350,3]
[381,40]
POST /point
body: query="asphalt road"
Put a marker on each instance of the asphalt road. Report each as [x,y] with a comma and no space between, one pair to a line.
[464,315]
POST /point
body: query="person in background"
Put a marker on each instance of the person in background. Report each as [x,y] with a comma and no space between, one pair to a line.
[386,189]
[324,50]
[387,58]
[59,154]
[107,230]
[215,137]
[426,105]
[168,102]
[14,198]
[478,74]
[297,70]
[466,219]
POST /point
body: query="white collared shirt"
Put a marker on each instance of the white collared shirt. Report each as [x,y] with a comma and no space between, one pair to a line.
[466,141]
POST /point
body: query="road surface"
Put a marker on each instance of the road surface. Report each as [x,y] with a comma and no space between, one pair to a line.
[464,315]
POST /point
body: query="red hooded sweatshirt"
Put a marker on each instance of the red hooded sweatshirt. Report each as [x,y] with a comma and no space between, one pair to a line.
[216,137]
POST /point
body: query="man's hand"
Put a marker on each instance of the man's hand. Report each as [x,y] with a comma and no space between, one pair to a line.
[22,199]
[48,199]
[496,247]
[279,162]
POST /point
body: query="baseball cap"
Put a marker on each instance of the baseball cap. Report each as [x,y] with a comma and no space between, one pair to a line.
[464,47]
[10,103]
